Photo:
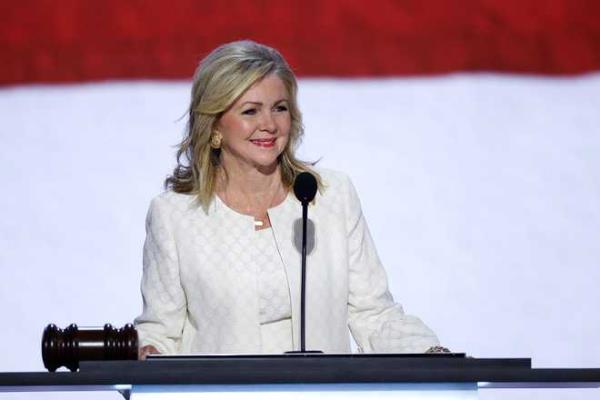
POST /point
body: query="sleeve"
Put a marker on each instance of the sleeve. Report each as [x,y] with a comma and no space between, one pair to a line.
[376,322]
[164,301]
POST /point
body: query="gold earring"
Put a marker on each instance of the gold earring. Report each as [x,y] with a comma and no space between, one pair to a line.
[215,140]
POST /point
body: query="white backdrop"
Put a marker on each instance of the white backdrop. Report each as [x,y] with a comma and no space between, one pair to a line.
[492,181]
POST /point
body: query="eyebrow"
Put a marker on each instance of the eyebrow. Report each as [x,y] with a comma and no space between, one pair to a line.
[258,103]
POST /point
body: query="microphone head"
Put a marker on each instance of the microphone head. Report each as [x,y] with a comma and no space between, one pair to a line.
[305,187]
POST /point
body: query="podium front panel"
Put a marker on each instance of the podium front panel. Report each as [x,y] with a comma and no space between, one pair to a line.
[362,391]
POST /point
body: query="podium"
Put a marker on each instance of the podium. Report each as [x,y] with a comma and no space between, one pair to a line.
[387,376]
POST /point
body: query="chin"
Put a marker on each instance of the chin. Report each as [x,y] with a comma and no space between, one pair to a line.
[263,160]
[267,162]
[267,166]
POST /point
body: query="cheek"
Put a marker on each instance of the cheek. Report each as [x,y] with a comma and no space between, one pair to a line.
[286,130]
[284,140]
[235,129]
[286,125]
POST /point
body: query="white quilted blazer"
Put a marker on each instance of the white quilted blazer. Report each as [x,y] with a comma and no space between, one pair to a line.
[199,283]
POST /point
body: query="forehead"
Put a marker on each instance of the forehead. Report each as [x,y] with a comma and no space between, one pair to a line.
[269,88]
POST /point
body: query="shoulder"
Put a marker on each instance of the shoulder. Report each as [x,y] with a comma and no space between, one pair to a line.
[338,189]
[334,180]
[172,199]
[172,206]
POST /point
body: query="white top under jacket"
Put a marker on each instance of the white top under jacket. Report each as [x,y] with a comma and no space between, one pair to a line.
[199,283]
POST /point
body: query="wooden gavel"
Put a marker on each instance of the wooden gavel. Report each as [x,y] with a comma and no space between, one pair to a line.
[70,346]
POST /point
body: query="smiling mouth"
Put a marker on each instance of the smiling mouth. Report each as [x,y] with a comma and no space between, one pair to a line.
[265,143]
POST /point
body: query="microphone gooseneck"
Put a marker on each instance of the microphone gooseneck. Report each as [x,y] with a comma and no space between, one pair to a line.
[305,189]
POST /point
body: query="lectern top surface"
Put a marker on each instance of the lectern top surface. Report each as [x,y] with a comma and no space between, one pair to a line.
[308,355]
[252,369]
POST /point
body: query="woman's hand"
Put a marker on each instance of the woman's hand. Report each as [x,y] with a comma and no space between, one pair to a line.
[145,350]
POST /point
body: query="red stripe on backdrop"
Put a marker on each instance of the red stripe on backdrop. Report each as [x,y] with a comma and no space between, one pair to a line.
[79,40]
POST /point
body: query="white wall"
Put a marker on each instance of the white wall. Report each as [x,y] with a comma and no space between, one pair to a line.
[482,193]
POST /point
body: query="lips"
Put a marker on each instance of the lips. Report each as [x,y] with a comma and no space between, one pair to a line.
[266,143]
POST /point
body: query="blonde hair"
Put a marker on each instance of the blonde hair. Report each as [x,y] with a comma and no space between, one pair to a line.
[220,79]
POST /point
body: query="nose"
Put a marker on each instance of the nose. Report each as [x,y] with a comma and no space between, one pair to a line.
[267,122]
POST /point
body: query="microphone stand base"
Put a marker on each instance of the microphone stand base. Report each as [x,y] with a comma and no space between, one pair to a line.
[303,353]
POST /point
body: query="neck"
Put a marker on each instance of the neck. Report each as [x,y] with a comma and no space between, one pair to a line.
[249,180]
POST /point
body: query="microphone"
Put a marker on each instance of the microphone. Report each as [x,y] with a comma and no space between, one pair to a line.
[305,189]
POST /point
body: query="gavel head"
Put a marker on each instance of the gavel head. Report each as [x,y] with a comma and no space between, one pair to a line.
[70,346]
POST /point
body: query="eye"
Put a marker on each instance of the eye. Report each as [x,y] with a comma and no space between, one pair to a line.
[250,111]
[281,108]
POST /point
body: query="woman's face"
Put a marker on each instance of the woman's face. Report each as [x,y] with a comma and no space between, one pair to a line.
[256,127]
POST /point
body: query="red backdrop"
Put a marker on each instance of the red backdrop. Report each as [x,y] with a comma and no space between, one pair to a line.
[80,40]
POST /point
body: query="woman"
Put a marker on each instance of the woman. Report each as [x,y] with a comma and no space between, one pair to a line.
[221,260]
